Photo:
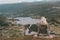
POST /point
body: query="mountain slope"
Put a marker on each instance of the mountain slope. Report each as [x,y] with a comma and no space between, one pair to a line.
[30,9]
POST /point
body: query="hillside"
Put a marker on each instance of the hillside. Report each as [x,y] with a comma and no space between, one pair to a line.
[31,9]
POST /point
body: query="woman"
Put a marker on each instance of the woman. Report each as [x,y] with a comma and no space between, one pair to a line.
[43,26]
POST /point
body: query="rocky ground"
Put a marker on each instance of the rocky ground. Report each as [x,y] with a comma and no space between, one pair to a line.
[11,32]
[28,38]
[16,33]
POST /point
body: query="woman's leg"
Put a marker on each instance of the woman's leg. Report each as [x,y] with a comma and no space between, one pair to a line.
[38,31]
[48,31]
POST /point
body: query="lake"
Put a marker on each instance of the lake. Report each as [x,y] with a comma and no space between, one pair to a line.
[27,20]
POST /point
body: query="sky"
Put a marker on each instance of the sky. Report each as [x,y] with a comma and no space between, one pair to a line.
[16,1]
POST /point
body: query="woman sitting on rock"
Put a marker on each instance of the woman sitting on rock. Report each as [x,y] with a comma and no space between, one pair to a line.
[43,26]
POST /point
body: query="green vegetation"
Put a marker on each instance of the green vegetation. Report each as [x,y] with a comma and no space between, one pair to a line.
[3,21]
[31,9]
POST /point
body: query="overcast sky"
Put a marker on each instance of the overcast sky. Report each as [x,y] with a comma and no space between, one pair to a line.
[16,1]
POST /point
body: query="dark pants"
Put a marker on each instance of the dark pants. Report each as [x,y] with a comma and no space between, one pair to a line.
[42,29]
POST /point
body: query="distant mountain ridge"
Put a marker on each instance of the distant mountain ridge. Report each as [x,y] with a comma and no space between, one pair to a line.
[29,9]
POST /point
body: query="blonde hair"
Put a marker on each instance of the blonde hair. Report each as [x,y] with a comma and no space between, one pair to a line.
[43,21]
